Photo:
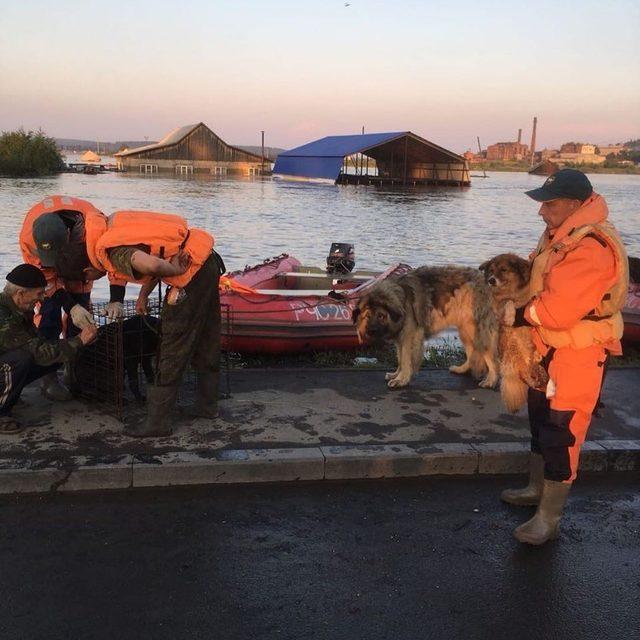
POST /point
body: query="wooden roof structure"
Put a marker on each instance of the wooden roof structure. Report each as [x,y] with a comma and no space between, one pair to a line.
[191,142]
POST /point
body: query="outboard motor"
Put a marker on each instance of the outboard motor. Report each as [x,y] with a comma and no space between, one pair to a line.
[341,258]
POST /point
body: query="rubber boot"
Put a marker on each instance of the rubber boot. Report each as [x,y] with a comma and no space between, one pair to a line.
[545,524]
[53,389]
[160,401]
[9,425]
[529,495]
[206,404]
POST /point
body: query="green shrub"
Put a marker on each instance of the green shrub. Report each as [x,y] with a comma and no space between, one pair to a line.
[28,154]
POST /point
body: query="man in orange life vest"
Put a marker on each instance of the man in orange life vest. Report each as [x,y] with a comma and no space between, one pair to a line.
[144,247]
[48,226]
[579,281]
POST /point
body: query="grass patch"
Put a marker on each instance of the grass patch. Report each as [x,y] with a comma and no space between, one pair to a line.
[438,354]
[629,358]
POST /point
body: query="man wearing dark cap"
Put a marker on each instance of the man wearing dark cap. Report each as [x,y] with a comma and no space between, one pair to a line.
[579,281]
[50,225]
[25,355]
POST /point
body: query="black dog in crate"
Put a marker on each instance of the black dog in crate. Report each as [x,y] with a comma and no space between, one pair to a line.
[140,338]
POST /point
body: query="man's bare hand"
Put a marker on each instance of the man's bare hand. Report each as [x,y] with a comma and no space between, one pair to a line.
[88,334]
[141,305]
[180,263]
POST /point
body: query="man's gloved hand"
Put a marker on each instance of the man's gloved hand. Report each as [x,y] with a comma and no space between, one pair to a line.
[114,311]
[80,316]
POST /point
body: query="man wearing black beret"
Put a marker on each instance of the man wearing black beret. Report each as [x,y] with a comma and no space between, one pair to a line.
[25,355]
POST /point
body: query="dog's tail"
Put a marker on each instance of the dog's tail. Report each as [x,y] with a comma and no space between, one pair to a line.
[513,392]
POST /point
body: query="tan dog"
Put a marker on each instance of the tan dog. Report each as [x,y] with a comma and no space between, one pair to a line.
[520,363]
[415,306]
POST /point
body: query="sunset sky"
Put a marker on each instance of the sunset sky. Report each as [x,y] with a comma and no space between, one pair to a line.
[448,71]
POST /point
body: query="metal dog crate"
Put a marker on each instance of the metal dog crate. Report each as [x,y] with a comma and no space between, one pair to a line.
[100,373]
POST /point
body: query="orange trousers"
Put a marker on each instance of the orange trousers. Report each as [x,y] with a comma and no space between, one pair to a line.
[559,425]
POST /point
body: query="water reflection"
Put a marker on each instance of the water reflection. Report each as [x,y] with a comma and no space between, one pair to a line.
[252,218]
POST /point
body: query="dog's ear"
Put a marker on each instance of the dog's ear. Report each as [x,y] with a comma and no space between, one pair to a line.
[355,314]
[523,269]
[485,265]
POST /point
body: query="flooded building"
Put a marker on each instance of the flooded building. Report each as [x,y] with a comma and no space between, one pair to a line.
[187,150]
[374,158]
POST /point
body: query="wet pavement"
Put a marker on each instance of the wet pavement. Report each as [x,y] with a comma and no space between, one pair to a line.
[364,560]
[311,407]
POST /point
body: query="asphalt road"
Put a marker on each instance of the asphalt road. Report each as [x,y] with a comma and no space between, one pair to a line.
[373,560]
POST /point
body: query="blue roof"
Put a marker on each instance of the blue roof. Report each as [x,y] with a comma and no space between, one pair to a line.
[341,146]
[324,158]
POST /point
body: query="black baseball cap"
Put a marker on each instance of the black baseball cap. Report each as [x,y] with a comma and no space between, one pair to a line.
[566,183]
[50,234]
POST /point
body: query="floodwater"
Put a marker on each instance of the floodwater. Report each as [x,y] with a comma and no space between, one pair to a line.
[253,219]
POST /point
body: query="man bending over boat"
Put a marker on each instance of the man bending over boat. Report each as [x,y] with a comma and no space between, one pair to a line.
[145,247]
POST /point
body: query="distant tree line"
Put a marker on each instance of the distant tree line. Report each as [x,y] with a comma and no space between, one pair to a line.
[28,153]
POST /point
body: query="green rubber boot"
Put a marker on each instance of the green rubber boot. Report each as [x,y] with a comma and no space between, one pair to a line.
[529,495]
[545,524]
[206,404]
[160,401]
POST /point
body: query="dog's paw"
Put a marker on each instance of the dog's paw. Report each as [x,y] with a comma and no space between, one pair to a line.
[398,381]
[390,375]
[458,368]
[488,382]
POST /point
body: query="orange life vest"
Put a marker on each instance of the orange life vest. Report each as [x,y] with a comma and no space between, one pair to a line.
[604,325]
[164,234]
[227,285]
[94,222]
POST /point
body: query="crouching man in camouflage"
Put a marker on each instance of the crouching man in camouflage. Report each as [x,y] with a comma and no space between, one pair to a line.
[25,355]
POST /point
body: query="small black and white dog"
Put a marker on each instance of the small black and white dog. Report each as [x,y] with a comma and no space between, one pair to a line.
[140,338]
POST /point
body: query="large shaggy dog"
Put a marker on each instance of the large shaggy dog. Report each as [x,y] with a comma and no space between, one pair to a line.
[412,307]
[520,363]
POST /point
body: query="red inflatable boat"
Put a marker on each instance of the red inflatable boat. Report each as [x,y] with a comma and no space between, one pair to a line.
[280,306]
[631,315]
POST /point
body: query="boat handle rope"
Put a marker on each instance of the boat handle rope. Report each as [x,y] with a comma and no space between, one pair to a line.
[288,299]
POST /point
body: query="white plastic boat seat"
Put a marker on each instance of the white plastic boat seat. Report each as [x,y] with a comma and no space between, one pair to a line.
[295,274]
[298,293]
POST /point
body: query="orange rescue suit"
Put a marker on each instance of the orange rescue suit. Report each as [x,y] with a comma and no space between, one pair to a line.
[163,234]
[94,221]
[579,280]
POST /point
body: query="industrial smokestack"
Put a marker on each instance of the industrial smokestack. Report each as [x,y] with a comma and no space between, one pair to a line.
[533,139]
[519,136]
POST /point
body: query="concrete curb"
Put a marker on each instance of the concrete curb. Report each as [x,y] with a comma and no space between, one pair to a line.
[340,462]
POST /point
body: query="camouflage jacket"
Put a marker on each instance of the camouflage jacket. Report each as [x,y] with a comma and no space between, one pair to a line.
[17,331]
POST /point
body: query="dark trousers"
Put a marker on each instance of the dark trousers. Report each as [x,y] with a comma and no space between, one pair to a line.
[559,425]
[51,316]
[18,369]
[190,330]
